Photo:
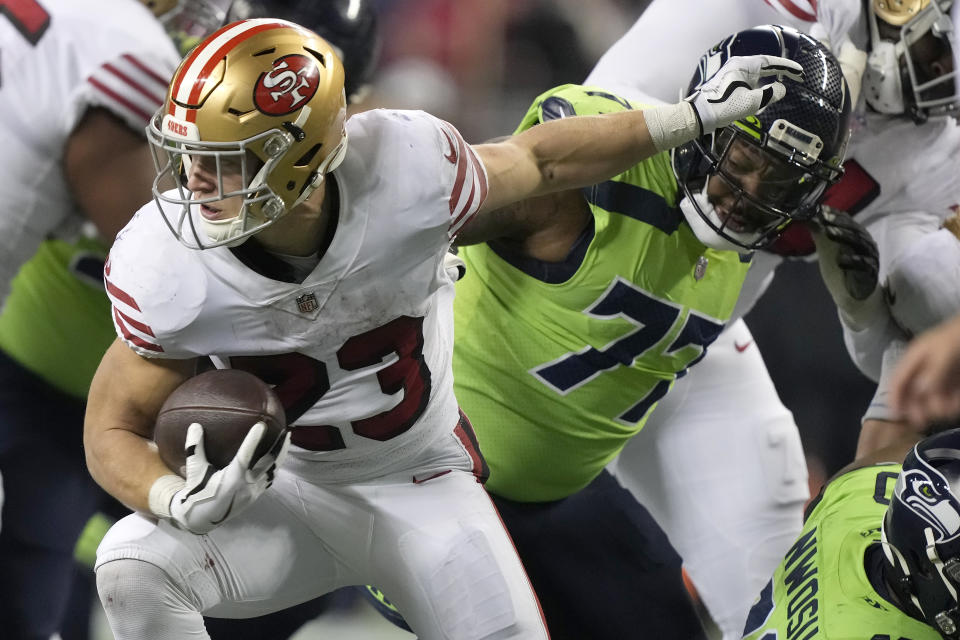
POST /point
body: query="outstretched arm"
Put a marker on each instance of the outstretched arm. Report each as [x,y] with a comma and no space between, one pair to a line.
[575,152]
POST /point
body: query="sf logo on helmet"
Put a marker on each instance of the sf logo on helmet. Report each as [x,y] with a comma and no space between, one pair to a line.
[288,86]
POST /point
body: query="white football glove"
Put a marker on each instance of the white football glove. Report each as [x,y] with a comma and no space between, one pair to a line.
[732,93]
[209,496]
[454,265]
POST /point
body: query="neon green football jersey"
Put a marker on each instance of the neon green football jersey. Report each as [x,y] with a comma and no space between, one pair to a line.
[56,320]
[820,591]
[559,364]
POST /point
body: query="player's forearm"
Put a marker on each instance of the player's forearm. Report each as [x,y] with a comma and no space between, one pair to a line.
[125,464]
[880,435]
[575,152]
[125,395]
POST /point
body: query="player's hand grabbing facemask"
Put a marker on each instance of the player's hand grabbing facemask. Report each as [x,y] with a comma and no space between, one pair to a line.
[733,92]
[850,264]
[210,496]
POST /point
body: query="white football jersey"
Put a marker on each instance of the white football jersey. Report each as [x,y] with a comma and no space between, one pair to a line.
[660,52]
[360,351]
[57,59]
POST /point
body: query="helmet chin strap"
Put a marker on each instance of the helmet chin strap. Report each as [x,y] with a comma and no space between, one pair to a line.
[220,230]
[897,561]
[947,619]
[698,207]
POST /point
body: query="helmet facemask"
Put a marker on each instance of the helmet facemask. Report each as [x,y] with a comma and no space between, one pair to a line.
[751,184]
[910,67]
[746,182]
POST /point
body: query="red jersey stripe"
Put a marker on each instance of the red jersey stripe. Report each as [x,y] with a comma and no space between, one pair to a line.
[466,209]
[121,295]
[796,11]
[481,175]
[120,99]
[480,183]
[134,338]
[136,86]
[461,173]
[159,79]
[464,432]
[139,326]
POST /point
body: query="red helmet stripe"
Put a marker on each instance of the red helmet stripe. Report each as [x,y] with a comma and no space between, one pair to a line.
[207,55]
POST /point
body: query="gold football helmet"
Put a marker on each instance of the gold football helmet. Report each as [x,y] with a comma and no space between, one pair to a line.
[260,98]
[898,12]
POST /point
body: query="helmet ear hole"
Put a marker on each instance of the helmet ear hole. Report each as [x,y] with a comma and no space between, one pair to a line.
[316,54]
[307,157]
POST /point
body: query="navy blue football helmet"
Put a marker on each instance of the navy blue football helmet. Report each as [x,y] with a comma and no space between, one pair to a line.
[921,533]
[349,25]
[747,181]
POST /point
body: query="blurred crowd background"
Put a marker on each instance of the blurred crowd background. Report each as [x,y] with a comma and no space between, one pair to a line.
[479,64]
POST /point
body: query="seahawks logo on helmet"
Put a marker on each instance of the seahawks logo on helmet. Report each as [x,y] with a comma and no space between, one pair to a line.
[927,494]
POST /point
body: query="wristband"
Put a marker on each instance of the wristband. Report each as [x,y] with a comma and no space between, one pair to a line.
[672,125]
[161,494]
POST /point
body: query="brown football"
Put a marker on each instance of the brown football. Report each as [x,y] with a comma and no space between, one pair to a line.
[227,403]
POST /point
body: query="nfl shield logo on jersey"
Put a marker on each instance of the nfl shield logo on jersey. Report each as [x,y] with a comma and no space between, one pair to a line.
[700,268]
[307,303]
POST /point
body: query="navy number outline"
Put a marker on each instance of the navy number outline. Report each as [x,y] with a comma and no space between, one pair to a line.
[654,319]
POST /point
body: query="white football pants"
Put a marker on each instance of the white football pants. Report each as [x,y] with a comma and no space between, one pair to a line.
[436,548]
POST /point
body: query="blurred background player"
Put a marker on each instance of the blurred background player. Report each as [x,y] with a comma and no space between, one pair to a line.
[879,552]
[78,80]
[615,287]
[47,356]
[732,522]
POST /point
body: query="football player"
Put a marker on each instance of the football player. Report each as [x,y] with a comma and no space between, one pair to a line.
[878,553]
[572,325]
[47,355]
[732,522]
[319,265]
[595,343]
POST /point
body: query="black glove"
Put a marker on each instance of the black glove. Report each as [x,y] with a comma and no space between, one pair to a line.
[857,255]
